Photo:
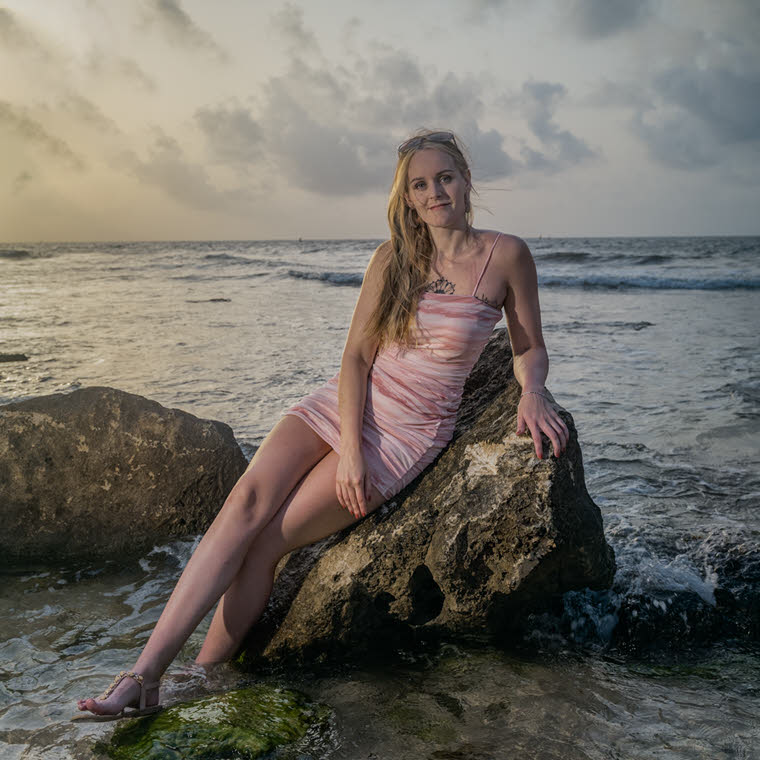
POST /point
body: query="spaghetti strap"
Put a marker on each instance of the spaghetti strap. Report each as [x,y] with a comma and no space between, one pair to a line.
[488,258]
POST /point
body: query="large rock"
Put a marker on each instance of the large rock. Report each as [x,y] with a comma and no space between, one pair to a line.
[101,472]
[486,532]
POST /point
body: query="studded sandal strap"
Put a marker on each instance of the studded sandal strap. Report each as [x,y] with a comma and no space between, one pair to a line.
[119,678]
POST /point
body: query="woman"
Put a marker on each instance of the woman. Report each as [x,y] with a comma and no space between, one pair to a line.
[430,298]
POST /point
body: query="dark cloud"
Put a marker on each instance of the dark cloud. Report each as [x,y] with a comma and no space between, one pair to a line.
[677,142]
[489,159]
[323,136]
[180,27]
[168,169]
[289,23]
[726,102]
[33,132]
[232,133]
[100,64]
[693,117]
[701,118]
[618,94]
[20,182]
[16,34]
[485,11]
[559,147]
[596,19]
[88,113]
[322,156]
[130,69]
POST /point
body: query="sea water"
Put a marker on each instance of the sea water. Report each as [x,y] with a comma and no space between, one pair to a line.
[653,346]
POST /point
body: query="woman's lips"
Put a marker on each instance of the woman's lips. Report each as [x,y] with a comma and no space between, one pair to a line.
[440,205]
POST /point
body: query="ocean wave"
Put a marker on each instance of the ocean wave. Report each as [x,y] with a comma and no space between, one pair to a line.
[230,258]
[16,253]
[565,257]
[618,282]
[700,591]
[593,327]
[331,278]
[655,258]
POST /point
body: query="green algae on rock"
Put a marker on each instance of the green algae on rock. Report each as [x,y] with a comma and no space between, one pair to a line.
[245,723]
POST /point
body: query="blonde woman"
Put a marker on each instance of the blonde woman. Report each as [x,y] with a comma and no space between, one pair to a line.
[429,301]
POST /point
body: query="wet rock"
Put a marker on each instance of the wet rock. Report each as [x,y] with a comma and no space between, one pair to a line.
[485,533]
[13,358]
[677,619]
[100,472]
[245,723]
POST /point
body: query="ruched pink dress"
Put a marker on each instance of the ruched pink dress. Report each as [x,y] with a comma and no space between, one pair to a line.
[413,394]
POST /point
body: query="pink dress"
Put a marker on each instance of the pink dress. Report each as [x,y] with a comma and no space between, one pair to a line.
[413,394]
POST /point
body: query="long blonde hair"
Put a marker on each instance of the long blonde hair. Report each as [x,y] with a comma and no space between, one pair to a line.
[408,264]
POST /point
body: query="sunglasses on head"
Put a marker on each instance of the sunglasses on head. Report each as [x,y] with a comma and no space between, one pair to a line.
[414,143]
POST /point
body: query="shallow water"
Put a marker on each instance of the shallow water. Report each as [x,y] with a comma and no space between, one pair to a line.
[74,629]
[653,350]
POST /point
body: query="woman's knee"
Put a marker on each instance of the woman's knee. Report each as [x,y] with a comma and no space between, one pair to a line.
[247,501]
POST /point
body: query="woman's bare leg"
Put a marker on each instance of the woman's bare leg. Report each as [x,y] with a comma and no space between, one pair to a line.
[290,450]
[310,513]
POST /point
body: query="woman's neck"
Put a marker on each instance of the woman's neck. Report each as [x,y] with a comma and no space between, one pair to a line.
[451,244]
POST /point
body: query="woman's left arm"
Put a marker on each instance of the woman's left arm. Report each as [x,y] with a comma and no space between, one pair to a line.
[535,412]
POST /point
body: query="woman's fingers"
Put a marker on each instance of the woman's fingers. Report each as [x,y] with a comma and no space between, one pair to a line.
[554,438]
[535,432]
[339,493]
[353,507]
[551,424]
[360,499]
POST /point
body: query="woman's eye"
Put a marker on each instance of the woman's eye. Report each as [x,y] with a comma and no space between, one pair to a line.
[419,186]
[446,178]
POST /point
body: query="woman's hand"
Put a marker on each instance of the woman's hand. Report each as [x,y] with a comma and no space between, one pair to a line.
[536,413]
[352,484]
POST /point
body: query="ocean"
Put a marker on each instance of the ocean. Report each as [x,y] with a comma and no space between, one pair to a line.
[653,347]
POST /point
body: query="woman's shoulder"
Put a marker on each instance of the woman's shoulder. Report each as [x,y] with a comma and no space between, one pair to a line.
[506,247]
[383,250]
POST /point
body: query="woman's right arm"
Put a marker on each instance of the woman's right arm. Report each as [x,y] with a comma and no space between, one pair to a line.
[352,484]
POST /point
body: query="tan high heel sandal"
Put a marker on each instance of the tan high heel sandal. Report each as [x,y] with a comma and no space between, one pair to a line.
[128,711]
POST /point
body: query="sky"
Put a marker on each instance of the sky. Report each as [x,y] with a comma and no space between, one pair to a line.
[187,120]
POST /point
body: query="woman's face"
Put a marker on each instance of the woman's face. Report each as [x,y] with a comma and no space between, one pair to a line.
[437,189]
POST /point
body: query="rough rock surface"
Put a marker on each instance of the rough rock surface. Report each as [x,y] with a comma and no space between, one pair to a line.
[485,532]
[100,472]
[245,723]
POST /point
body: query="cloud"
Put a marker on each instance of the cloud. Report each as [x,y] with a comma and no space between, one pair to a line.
[289,23]
[701,118]
[726,102]
[86,112]
[231,132]
[597,19]
[32,131]
[677,142]
[613,94]
[325,134]
[560,147]
[168,169]
[322,156]
[180,27]
[21,180]
[482,11]
[490,160]
[102,65]
[14,33]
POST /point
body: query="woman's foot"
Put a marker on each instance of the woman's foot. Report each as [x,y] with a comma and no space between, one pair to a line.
[128,690]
